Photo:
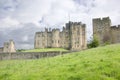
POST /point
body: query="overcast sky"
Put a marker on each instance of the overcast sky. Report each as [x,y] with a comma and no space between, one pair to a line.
[20,19]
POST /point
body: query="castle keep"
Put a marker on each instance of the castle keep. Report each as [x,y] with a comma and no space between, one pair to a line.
[8,47]
[72,36]
[104,32]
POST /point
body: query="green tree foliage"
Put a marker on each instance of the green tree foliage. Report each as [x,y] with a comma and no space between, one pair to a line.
[93,43]
[20,50]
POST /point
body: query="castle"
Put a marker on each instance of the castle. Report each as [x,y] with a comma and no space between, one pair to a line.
[104,32]
[8,47]
[72,37]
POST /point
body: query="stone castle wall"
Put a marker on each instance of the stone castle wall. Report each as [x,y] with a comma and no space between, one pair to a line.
[29,55]
[56,38]
[73,37]
[104,32]
[78,36]
[115,34]
[8,47]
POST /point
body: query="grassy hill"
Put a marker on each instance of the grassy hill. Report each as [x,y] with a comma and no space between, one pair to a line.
[45,50]
[102,63]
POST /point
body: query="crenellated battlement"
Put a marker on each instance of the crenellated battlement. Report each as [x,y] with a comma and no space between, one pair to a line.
[38,32]
[76,23]
[105,18]
[54,30]
[115,27]
[83,25]
[73,24]
[97,19]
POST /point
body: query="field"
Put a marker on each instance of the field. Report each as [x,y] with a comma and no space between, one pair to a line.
[45,50]
[102,63]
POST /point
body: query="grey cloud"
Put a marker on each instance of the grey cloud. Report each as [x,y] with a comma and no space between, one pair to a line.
[18,34]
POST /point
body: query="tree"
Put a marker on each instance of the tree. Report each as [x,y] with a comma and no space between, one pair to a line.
[93,43]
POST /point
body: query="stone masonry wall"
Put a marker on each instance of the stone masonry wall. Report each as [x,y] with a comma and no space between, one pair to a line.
[28,55]
[115,34]
[101,29]
[8,47]
[104,32]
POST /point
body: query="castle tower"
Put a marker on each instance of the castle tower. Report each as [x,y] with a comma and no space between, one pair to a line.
[55,38]
[37,40]
[49,39]
[84,40]
[101,29]
[9,46]
[12,46]
[68,35]
[106,23]
[6,47]
[78,36]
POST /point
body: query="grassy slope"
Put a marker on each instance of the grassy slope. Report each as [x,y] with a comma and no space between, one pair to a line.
[45,50]
[101,63]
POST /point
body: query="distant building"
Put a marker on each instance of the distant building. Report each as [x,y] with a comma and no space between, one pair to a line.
[8,47]
[104,32]
[72,36]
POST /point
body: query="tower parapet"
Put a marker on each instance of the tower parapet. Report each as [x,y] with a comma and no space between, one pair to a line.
[115,27]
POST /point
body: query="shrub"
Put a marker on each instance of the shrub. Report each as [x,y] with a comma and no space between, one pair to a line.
[93,43]
[20,50]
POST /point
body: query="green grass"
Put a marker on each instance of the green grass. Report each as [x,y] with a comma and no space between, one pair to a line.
[102,63]
[45,50]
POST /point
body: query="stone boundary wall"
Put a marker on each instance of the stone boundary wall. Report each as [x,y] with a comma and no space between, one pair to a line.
[29,55]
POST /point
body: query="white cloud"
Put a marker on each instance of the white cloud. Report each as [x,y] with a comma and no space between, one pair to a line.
[8,22]
[53,13]
[104,8]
